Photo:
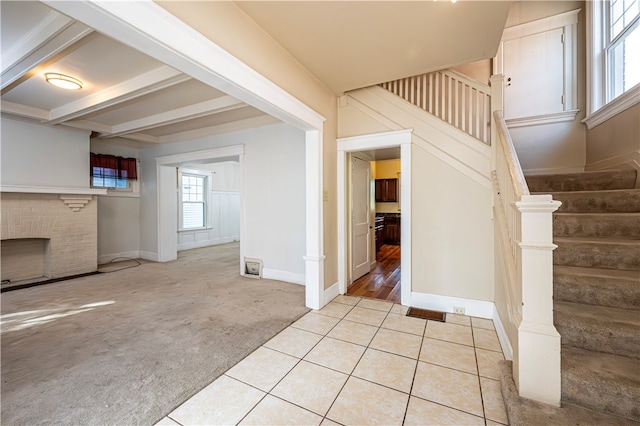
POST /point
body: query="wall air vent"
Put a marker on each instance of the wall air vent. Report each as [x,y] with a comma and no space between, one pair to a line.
[252,267]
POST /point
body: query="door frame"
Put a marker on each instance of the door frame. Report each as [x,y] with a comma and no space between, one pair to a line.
[399,138]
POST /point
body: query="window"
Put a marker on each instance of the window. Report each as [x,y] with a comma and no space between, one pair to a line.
[115,173]
[193,210]
[623,46]
[613,58]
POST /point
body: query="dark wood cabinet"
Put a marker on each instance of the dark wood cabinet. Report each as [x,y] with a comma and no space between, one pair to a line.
[386,190]
[392,230]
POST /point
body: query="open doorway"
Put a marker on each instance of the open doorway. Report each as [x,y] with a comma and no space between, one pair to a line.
[208,204]
[374,195]
[373,145]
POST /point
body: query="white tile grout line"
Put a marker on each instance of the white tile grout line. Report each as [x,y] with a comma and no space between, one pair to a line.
[387,313]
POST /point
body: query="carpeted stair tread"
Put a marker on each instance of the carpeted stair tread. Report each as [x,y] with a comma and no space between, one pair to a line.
[523,411]
[606,253]
[612,201]
[603,382]
[606,225]
[598,328]
[586,181]
[593,286]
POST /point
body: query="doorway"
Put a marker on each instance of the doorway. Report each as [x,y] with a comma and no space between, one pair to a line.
[395,259]
[376,218]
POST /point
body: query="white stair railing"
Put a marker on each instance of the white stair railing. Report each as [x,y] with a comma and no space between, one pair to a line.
[450,96]
[524,261]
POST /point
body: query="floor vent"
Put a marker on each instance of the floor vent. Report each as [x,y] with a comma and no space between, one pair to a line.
[252,267]
[427,314]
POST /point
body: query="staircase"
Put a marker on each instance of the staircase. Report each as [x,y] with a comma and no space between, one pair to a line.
[597,288]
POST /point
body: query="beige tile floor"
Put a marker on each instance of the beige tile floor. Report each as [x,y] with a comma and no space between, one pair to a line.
[360,362]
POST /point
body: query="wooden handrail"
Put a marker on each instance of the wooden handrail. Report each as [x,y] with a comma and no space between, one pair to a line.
[515,170]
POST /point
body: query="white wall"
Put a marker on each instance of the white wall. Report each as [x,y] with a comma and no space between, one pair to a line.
[35,155]
[274,191]
[118,214]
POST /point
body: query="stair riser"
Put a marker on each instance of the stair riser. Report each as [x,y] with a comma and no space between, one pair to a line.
[625,226]
[608,397]
[615,293]
[623,179]
[606,256]
[603,336]
[592,202]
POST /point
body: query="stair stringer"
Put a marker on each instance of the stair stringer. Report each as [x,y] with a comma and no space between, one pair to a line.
[465,153]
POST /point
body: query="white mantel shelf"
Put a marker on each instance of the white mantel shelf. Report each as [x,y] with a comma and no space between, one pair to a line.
[52,190]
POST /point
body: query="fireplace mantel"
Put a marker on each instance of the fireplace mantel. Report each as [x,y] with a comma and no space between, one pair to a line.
[53,190]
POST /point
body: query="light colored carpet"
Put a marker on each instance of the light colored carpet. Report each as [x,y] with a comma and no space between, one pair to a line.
[128,347]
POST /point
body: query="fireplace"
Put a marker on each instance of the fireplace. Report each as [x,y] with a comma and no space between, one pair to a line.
[48,235]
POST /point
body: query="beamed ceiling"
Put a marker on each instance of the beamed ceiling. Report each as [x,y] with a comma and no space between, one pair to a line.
[129,97]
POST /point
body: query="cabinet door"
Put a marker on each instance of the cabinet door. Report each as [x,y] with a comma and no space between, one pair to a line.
[380,190]
[392,190]
[386,190]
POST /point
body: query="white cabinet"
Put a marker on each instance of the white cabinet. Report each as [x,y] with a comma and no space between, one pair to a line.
[539,63]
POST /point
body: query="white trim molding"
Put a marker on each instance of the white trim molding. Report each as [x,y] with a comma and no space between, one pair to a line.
[331,293]
[436,302]
[52,190]
[629,160]
[616,106]
[401,138]
[505,343]
[285,276]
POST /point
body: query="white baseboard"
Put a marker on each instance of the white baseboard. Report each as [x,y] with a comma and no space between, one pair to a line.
[502,336]
[286,276]
[434,302]
[553,171]
[106,258]
[147,255]
[207,243]
[630,160]
[331,293]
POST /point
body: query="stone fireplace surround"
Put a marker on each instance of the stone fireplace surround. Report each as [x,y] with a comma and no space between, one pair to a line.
[50,232]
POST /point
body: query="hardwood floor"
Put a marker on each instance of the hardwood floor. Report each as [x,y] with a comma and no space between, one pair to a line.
[383,282]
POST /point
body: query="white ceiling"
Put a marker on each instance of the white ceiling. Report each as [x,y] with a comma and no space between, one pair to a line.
[353,44]
[129,95]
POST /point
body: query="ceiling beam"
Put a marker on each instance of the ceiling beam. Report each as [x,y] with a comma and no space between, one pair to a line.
[233,126]
[223,103]
[26,111]
[140,85]
[54,34]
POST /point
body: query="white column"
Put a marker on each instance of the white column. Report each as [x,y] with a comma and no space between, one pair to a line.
[537,362]
[314,260]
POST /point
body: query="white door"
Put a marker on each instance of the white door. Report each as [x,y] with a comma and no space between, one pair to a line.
[360,190]
[534,76]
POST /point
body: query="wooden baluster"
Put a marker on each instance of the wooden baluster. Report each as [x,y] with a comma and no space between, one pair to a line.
[431,93]
[449,97]
[424,92]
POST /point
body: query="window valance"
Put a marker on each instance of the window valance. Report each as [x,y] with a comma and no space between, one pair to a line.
[111,166]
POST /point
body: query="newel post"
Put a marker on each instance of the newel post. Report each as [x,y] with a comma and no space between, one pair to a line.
[537,364]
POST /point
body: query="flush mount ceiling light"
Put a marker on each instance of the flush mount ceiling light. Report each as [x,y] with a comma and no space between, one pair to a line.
[64,81]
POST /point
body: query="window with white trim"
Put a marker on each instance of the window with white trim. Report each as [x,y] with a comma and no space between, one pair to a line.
[613,58]
[622,46]
[193,201]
